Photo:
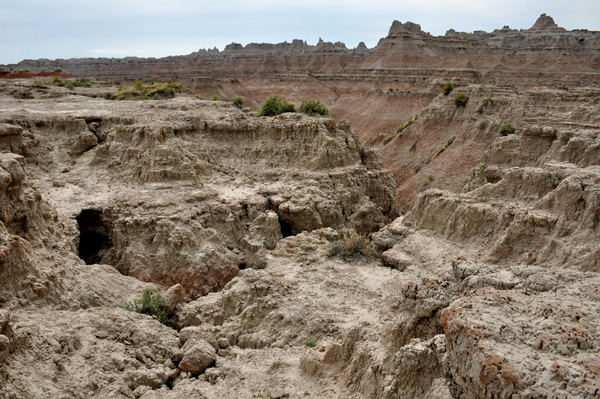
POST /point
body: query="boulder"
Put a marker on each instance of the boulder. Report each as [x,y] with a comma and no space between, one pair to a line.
[197,358]
[173,296]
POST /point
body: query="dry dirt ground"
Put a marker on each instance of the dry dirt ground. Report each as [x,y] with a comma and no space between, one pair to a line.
[491,292]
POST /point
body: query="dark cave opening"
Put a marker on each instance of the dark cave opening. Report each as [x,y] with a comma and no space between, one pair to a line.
[286,228]
[94,240]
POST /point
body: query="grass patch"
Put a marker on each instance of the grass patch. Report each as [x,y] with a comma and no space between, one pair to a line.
[311,342]
[481,173]
[353,246]
[276,105]
[483,124]
[399,129]
[71,84]
[314,108]
[214,98]
[151,304]
[152,91]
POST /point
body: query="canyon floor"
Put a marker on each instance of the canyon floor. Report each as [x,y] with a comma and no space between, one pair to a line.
[485,283]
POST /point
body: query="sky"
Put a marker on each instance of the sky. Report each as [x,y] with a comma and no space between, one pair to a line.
[31,29]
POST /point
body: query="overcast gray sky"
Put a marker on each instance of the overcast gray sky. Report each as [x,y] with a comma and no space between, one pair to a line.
[157,28]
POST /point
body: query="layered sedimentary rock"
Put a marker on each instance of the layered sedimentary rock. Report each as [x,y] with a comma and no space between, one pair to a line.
[231,184]
[447,141]
[354,82]
[545,49]
[488,288]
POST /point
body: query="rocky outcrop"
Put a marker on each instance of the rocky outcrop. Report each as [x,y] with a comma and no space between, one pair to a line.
[231,184]
[544,49]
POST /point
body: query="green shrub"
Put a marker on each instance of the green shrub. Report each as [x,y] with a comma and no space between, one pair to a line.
[448,88]
[276,105]
[312,342]
[108,96]
[314,108]
[461,100]
[215,98]
[507,129]
[151,304]
[139,85]
[353,246]
[481,173]
[238,102]
[397,89]
[483,124]
[391,89]
[142,97]
[487,101]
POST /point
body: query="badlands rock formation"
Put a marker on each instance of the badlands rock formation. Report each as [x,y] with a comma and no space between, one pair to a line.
[354,82]
[488,291]
[487,281]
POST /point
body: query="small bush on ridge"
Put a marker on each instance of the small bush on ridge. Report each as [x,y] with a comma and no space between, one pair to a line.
[461,100]
[507,129]
[448,88]
[238,102]
[276,105]
[314,108]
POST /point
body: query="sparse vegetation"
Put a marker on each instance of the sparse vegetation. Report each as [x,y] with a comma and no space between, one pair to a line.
[481,173]
[108,96]
[71,84]
[449,143]
[353,246]
[483,124]
[151,304]
[391,89]
[430,178]
[487,101]
[312,342]
[461,100]
[276,105]
[154,91]
[399,129]
[214,98]
[448,88]
[507,129]
[314,108]
[238,102]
